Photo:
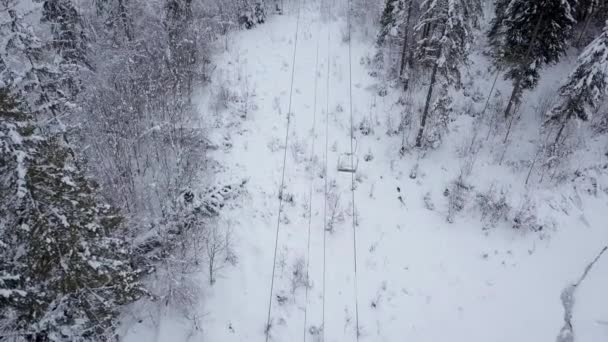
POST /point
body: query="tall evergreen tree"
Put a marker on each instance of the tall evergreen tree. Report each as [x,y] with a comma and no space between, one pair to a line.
[31,71]
[69,42]
[446,48]
[392,15]
[117,18]
[526,35]
[69,38]
[64,264]
[585,88]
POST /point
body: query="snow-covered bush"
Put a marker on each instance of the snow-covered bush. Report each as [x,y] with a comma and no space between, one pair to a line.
[494,207]
[252,14]
[525,218]
[428,201]
[299,278]
[335,214]
[366,126]
[457,195]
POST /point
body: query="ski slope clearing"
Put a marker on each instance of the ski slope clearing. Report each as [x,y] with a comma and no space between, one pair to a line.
[419,275]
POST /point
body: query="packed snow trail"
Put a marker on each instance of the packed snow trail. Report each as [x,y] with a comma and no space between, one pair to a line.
[419,277]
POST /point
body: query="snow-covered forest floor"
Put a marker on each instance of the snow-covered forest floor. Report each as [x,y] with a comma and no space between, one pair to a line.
[420,277]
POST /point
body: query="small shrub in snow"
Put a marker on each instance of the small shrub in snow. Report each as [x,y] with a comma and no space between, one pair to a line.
[457,195]
[298,150]
[281,299]
[275,145]
[414,172]
[315,331]
[299,278]
[382,91]
[365,127]
[251,17]
[222,98]
[335,212]
[525,218]
[218,245]
[494,207]
[428,202]
[369,156]
[345,34]
[287,197]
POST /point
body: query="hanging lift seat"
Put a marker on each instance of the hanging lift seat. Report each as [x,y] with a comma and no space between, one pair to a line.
[347,163]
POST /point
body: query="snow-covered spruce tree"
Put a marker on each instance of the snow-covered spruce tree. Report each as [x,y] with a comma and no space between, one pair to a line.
[64,265]
[585,88]
[445,49]
[251,13]
[441,110]
[395,32]
[392,15]
[69,42]
[590,16]
[525,35]
[117,20]
[69,37]
[27,72]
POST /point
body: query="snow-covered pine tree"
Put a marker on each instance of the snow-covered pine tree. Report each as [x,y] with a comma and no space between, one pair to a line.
[31,69]
[525,35]
[585,88]
[440,117]
[69,38]
[390,20]
[251,13]
[591,16]
[69,42]
[117,19]
[65,267]
[445,49]
[474,11]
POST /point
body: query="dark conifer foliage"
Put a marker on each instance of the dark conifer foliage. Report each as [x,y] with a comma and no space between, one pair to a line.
[65,267]
[391,16]
[585,88]
[525,36]
[444,50]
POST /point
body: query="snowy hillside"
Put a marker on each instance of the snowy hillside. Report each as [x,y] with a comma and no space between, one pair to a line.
[303,170]
[462,243]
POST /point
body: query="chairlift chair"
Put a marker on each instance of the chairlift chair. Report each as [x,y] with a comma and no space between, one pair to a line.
[348,162]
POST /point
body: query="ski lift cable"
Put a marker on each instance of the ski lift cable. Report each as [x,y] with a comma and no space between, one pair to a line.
[352,156]
[276,241]
[312,178]
[326,165]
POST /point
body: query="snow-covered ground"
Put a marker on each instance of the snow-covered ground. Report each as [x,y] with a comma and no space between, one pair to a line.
[419,278]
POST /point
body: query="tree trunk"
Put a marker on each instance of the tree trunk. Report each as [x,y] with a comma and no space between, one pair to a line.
[124,17]
[517,87]
[211,279]
[561,130]
[587,19]
[404,57]
[514,96]
[427,105]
